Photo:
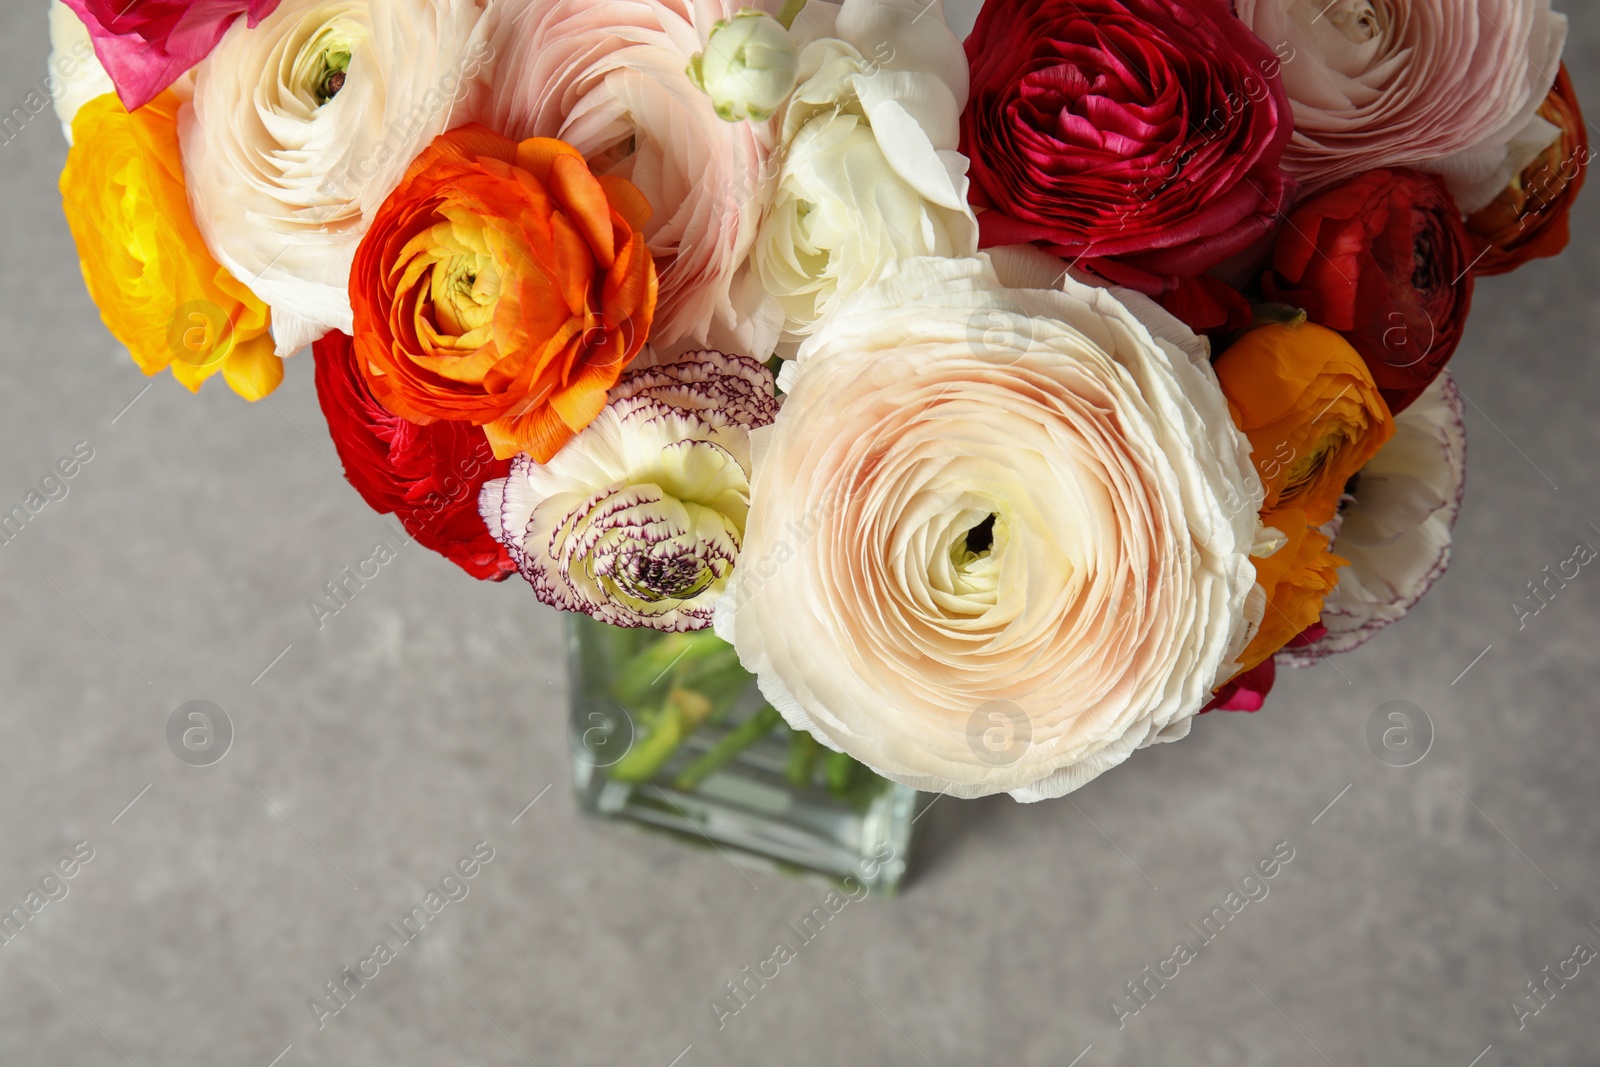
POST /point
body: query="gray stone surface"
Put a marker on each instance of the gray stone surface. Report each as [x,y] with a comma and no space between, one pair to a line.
[374,754]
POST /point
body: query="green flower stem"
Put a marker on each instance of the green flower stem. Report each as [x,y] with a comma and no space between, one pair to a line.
[680,714]
[803,751]
[639,678]
[840,769]
[720,754]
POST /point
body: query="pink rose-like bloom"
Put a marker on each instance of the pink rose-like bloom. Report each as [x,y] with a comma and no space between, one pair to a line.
[1443,85]
[146,45]
[611,79]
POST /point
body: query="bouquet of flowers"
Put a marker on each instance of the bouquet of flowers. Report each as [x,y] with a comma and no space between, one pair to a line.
[1000,406]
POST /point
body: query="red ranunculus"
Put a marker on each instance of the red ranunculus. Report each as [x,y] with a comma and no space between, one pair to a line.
[146,45]
[1384,259]
[427,476]
[1528,219]
[1247,691]
[1140,138]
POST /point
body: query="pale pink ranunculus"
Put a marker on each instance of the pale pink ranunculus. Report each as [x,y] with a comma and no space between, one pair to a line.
[1441,85]
[612,80]
[999,538]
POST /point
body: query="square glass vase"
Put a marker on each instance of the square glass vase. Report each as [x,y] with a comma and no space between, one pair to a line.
[669,733]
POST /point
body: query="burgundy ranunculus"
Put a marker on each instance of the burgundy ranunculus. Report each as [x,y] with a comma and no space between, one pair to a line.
[1247,691]
[428,476]
[1140,138]
[1384,259]
[146,45]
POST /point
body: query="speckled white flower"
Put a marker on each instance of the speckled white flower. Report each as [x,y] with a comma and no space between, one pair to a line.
[1395,525]
[999,537]
[302,125]
[638,521]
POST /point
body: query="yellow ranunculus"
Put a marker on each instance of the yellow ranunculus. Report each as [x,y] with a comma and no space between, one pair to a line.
[159,290]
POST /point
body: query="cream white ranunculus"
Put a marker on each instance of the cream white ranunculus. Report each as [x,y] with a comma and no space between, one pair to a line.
[870,173]
[1442,85]
[75,76]
[749,66]
[638,521]
[999,538]
[612,80]
[302,125]
[1394,526]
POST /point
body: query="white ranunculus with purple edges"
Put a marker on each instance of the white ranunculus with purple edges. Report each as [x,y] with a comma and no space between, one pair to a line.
[870,169]
[1394,528]
[999,538]
[301,126]
[638,521]
[612,80]
[1440,85]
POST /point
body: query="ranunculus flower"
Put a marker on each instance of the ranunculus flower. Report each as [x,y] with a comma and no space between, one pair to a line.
[1445,85]
[159,291]
[428,476]
[1310,408]
[1385,260]
[1247,691]
[870,173]
[1394,527]
[505,285]
[749,66]
[1528,220]
[1314,417]
[146,45]
[639,521]
[999,538]
[1140,138]
[301,126]
[1297,579]
[612,80]
[78,75]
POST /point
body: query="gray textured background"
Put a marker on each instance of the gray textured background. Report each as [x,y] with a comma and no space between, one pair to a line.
[429,713]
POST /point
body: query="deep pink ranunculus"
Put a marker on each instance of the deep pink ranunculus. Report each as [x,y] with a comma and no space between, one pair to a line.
[1139,137]
[146,45]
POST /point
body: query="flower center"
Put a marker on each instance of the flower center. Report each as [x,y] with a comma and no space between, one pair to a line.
[1424,264]
[1356,19]
[980,538]
[465,291]
[321,66]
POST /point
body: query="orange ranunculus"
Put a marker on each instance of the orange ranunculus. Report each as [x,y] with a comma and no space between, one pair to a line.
[1311,410]
[1314,417]
[159,290]
[504,285]
[1529,217]
[1297,577]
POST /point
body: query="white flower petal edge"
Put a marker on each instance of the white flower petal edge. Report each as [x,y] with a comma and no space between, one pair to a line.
[986,509]
[1395,531]
[639,519]
[285,177]
[870,173]
[78,75]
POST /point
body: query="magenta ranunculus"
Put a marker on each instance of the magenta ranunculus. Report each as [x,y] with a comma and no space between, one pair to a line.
[1140,137]
[146,45]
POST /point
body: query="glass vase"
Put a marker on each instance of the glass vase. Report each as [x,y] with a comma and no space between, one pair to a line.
[668,732]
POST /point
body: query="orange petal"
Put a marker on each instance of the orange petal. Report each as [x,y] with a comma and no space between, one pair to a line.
[537,154]
[627,199]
